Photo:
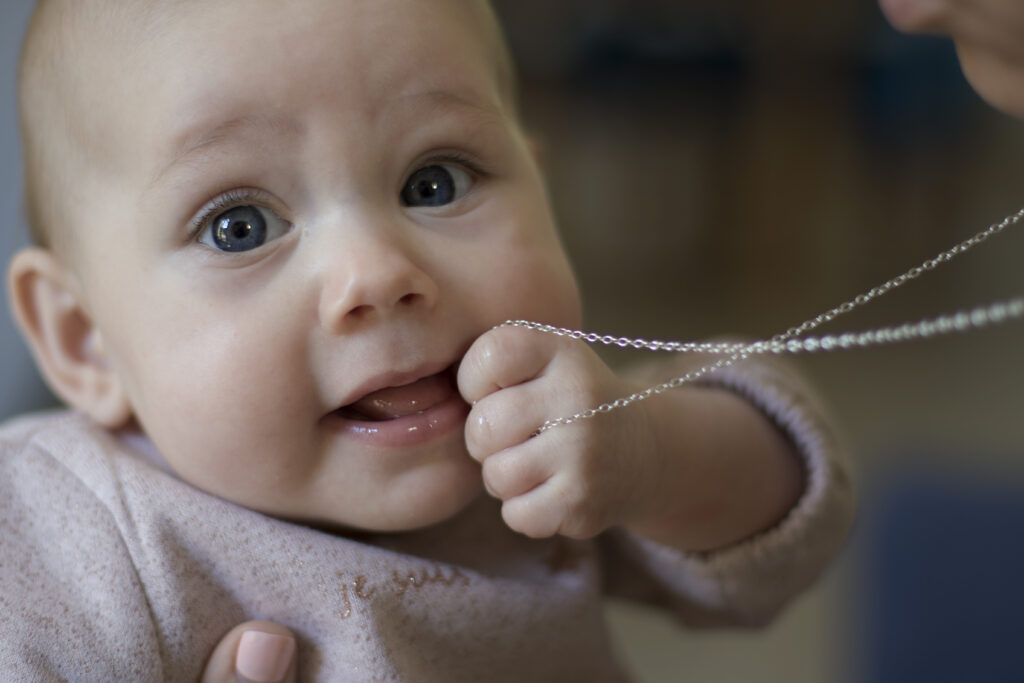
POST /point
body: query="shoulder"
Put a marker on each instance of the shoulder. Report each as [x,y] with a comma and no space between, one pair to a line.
[52,454]
[45,430]
[54,472]
[51,466]
[67,577]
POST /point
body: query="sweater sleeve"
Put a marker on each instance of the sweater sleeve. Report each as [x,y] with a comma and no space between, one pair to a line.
[71,604]
[749,582]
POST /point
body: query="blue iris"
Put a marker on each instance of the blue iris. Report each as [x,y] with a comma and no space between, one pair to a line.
[429,186]
[240,229]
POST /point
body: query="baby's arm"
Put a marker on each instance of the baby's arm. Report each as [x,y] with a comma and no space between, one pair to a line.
[726,472]
[743,467]
[697,469]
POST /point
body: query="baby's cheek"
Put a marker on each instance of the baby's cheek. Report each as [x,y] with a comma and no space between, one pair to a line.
[554,295]
[229,456]
[225,415]
[534,284]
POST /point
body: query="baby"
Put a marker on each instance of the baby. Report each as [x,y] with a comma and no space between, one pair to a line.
[273,243]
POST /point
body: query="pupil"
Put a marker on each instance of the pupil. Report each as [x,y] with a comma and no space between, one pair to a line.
[430,186]
[428,189]
[240,229]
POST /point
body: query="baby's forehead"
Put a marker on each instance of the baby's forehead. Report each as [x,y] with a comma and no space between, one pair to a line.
[119,24]
[63,32]
[85,60]
[141,45]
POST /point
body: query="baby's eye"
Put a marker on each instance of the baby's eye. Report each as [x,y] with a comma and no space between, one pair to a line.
[436,185]
[243,228]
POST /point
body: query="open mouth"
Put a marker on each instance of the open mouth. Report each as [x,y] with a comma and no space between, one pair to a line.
[393,403]
[404,415]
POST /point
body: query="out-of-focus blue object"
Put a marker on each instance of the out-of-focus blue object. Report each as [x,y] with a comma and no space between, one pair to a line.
[912,89]
[943,592]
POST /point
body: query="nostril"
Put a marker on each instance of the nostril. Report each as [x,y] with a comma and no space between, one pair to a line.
[360,311]
[365,310]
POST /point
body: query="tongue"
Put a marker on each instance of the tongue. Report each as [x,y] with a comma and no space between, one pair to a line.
[395,402]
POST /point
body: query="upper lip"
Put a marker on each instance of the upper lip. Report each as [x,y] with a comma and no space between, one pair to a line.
[393,379]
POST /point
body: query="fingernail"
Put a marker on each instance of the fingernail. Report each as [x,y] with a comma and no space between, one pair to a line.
[263,657]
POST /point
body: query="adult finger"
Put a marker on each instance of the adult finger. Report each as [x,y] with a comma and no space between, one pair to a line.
[253,652]
[917,16]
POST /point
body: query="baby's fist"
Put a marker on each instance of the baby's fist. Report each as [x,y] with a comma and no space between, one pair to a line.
[575,480]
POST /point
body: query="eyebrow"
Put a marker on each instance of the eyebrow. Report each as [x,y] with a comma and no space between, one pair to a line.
[194,142]
[442,99]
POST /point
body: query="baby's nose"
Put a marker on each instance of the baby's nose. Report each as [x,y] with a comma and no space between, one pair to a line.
[378,279]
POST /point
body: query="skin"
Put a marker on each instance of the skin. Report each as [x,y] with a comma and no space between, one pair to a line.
[233,362]
[230,362]
[263,657]
[989,38]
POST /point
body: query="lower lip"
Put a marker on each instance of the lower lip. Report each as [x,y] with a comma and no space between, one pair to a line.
[409,430]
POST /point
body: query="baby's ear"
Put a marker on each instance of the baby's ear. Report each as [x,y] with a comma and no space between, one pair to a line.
[66,345]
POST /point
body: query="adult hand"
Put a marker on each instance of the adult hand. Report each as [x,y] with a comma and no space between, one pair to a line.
[253,652]
[989,38]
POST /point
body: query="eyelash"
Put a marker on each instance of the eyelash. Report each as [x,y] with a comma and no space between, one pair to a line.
[241,197]
[219,205]
[453,158]
[470,165]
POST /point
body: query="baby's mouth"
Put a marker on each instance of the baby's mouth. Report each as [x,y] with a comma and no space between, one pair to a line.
[392,403]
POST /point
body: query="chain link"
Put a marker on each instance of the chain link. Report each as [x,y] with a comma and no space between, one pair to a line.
[793,341]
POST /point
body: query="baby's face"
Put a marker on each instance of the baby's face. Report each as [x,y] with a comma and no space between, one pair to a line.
[306,213]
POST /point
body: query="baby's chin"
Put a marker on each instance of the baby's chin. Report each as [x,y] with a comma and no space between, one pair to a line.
[394,512]
[395,527]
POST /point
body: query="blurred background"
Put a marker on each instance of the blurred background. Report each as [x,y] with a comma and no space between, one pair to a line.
[735,167]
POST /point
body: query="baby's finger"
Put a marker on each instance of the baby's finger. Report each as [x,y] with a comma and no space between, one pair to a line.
[506,419]
[502,358]
[564,504]
[534,513]
[516,471]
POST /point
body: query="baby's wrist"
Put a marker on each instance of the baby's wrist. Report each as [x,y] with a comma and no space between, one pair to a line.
[656,509]
[688,499]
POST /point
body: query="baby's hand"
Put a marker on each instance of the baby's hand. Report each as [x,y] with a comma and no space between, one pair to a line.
[575,480]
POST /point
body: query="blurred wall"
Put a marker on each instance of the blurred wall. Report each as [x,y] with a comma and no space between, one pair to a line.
[739,167]
[20,386]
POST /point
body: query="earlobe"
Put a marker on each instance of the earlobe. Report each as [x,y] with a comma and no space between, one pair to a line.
[66,345]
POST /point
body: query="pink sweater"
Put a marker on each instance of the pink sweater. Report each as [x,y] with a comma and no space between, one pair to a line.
[111,569]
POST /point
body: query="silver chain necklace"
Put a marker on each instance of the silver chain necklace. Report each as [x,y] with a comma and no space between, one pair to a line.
[793,339]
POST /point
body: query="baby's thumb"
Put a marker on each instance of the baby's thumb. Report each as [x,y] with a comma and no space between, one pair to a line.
[253,652]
